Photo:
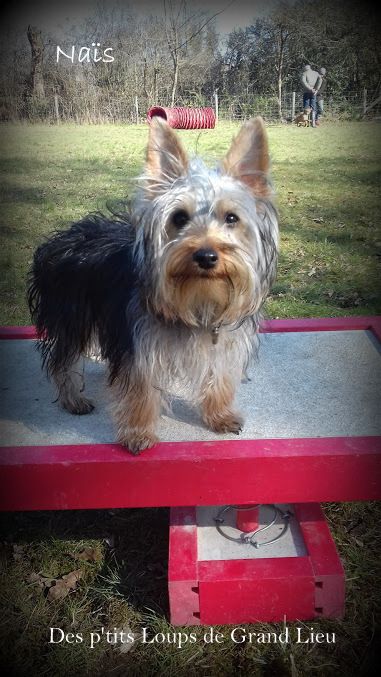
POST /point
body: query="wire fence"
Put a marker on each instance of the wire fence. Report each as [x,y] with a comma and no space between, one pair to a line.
[355,105]
[99,106]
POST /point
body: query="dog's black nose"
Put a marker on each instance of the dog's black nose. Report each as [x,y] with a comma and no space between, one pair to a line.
[206,258]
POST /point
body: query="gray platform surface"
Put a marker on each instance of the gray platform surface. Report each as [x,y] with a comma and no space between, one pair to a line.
[312,384]
[211,545]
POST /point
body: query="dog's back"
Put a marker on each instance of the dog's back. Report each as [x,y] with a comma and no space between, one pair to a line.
[80,280]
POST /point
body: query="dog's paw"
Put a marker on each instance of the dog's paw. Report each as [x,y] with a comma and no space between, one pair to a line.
[229,422]
[137,441]
[80,406]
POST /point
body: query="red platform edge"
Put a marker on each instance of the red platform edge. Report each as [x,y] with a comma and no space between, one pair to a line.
[189,473]
[357,322]
[249,591]
[170,474]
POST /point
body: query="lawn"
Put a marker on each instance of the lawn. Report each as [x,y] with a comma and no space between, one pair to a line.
[327,184]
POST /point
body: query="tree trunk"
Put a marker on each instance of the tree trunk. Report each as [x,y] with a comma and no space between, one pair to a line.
[155,87]
[175,80]
[36,83]
[280,94]
[281,47]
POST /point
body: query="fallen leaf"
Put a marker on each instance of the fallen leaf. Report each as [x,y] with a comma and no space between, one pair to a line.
[89,555]
[41,580]
[72,579]
[58,591]
[60,587]
[36,578]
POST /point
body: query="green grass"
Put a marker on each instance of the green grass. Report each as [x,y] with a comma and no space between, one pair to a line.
[328,266]
[327,184]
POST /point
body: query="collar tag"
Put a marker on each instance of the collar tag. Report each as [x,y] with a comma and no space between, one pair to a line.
[215,334]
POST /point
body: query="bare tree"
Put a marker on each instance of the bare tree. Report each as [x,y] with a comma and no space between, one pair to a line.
[173,24]
[36,83]
[281,34]
[181,28]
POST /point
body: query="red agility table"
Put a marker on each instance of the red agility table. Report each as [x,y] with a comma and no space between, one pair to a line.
[312,434]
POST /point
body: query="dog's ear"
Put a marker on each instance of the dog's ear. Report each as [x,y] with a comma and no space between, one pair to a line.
[248,157]
[166,158]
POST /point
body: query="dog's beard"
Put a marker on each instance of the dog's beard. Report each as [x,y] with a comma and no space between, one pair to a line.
[206,298]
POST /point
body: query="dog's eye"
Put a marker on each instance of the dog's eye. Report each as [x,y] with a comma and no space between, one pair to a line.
[180,218]
[231,219]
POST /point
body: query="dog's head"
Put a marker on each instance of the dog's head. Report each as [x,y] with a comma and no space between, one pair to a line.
[207,239]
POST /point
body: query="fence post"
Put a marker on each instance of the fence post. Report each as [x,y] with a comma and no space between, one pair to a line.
[137,109]
[216,104]
[293,105]
[364,101]
[56,109]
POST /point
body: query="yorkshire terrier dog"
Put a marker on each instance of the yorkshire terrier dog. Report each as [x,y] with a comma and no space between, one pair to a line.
[171,294]
[303,119]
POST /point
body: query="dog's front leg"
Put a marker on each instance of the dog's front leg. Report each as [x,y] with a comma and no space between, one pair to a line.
[136,410]
[216,404]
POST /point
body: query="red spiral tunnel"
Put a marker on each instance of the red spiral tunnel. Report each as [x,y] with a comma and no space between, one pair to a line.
[185,118]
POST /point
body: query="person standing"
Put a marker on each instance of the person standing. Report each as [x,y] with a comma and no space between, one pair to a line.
[320,95]
[311,81]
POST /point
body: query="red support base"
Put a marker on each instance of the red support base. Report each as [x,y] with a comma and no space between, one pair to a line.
[247,520]
[254,590]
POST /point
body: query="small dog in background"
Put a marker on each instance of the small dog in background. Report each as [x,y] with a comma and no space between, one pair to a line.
[304,118]
[172,293]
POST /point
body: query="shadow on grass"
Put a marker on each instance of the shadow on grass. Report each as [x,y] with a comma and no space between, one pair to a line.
[37,169]
[344,238]
[137,547]
[17,194]
[328,171]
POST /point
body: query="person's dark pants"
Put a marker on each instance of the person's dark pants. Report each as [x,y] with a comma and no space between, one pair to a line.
[309,101]
[319,108]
